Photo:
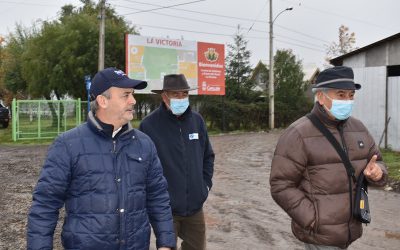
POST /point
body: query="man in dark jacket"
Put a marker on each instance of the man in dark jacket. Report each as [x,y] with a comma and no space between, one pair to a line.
[308,178]
[107,175]
[182,143]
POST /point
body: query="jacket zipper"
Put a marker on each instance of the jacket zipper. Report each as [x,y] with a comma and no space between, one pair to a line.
[186,168]
[120,195]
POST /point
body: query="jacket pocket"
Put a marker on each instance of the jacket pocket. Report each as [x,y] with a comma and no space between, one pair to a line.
[205,191]
[136,170]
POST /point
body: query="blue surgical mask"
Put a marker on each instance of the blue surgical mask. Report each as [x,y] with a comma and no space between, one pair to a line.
[341,109]
[179,106]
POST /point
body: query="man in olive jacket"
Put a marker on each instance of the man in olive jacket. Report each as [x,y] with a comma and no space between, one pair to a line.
[308,178]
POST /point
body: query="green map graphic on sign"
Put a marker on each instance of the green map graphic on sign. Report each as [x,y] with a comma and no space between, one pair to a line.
[156,68]
[151,63]
[151,58]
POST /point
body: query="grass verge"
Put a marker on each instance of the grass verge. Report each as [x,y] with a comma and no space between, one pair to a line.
[392,160]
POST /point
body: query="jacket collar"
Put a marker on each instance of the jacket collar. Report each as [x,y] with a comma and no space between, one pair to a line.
[105,129]
[322,114]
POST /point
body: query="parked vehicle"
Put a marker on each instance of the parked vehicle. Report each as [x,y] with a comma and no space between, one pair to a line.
[5,116]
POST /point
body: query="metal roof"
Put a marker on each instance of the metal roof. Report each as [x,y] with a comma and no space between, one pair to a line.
[337,61]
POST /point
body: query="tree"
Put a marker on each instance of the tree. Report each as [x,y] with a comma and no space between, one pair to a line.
[345,45]
[238,69]
[11,61]
[242,107]
[65,50]
[290,99]
[52,61]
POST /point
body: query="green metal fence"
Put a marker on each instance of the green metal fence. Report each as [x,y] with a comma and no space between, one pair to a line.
[43,119]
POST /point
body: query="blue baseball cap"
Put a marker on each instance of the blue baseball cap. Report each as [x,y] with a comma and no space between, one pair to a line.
[113,77]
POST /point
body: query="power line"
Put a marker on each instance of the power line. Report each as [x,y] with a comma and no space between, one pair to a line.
[163,7]
[223,25]
[339,15]
[29,3]
[230,17]
[227,35]
[292,30]
[197,12]
[259,13]
[186,18]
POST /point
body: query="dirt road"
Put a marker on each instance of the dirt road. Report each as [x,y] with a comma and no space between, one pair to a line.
[240,211]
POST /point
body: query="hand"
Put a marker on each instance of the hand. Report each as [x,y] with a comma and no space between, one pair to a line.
[164,248]
[373,171]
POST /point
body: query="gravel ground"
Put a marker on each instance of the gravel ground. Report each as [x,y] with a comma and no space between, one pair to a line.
[240,212]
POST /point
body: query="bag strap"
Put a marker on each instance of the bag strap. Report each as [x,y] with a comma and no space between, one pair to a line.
[325,131]
[345,159]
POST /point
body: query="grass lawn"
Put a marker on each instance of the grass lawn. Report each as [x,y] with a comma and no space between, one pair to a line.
[392,160]
[6,135]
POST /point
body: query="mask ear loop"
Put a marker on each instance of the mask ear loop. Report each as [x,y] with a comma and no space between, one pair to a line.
[168,106]
[323,92]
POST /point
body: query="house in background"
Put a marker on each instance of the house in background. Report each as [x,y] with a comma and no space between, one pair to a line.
[377,68]
[310,75]
[260,76]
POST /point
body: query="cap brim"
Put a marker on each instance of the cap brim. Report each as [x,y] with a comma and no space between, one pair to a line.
[339,85]
[132,83]
[159,91]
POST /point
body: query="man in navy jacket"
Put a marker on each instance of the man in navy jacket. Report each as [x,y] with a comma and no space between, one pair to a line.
[107,175]
[182,143]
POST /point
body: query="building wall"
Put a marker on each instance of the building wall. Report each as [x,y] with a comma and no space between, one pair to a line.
[355,61]
[376,56]
[394,52]
[369,104]
[382,55]
[394,113]
[370,71]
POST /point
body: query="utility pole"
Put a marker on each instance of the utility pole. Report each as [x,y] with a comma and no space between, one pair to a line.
[271,71]
[102,17]
[271,84]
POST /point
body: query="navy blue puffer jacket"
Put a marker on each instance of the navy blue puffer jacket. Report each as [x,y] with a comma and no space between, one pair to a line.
[111,189]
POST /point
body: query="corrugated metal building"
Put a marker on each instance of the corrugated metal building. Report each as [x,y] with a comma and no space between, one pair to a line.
[377,68]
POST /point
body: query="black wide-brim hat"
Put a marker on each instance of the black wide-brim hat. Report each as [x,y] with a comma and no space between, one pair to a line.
[174,82]
[339,77]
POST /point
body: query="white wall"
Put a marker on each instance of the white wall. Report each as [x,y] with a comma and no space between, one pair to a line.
[369,104]
[355,61]
[394,113]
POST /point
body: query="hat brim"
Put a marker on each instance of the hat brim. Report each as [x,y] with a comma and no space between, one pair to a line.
[348,85]
[132,83]
[159,91]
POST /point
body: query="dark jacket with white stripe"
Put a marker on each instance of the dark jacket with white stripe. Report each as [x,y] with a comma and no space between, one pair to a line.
[186,155]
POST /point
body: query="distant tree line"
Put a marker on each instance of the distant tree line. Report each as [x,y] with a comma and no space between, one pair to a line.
[50,61]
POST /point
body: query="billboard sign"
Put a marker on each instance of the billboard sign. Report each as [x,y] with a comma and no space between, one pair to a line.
[150,58]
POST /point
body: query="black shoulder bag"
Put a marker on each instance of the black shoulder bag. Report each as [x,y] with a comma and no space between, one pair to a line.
[361,209]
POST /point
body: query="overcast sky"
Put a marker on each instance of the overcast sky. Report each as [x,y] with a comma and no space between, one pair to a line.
[307,29]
